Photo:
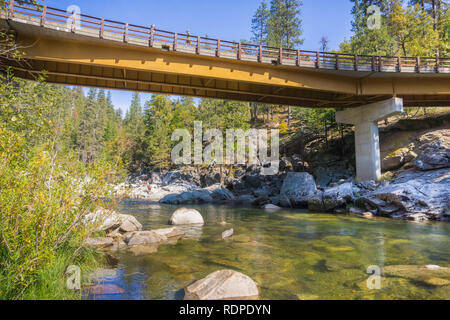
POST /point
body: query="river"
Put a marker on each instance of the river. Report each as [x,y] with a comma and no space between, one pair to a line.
[291,254]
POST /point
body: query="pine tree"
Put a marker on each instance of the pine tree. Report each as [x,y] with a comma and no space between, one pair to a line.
[260,24]
[134,127]
[134,120]
[158,131]
[285,25]
[87,126]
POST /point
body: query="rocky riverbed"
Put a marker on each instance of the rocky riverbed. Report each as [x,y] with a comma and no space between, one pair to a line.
[240,252]
[419,190]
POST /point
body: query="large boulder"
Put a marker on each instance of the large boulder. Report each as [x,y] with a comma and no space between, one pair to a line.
[413,196]
[171,199]
[99,242]
[223,285]
[129,223]
[265,191]
[397,159]
[297,189]
[222,194]
[338,197]
[185,216]
[191,197]
[434,157]
[179,178]
[143,238]
[323,177]
[108,221]
[103,220]
[315,202]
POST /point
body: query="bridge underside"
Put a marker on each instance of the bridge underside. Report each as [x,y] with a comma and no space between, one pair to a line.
[78,60]
[88,75]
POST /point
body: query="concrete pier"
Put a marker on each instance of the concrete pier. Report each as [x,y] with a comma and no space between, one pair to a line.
[367,142]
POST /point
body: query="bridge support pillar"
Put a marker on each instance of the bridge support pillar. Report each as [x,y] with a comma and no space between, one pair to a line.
[367,142]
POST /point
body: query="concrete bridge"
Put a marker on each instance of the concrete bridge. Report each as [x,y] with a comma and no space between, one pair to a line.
[82,50]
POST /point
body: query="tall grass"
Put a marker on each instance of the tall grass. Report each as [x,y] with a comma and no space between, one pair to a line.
[44,194]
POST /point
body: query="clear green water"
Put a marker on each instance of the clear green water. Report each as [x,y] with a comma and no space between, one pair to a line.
[290,254]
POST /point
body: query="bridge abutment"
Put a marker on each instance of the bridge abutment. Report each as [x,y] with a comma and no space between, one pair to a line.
[367,142]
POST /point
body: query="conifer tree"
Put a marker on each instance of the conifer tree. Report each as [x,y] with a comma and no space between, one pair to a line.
[260,24]
[285,25]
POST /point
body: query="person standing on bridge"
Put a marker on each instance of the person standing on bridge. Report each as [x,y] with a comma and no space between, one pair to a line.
[188,37]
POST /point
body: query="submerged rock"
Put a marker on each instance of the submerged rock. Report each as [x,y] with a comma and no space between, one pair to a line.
[356,210]
[185,216]
[337,265]
[223,285]
[143,250]
[434,276]
[192,231]
[170,232]
[104,289]
[297,189]
[271,207]
[227,234]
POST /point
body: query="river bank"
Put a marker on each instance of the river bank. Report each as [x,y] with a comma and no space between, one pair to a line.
[416,187]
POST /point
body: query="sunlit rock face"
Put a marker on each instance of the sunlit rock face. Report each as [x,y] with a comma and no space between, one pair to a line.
[413,196]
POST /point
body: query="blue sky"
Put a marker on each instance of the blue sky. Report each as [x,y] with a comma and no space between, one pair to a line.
[224,19]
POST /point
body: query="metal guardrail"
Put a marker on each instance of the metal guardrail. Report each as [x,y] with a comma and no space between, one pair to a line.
[172,41]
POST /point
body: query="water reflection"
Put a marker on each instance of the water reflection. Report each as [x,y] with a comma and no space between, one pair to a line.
[291,254]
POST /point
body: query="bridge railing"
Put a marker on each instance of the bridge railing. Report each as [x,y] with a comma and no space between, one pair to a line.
[186,43]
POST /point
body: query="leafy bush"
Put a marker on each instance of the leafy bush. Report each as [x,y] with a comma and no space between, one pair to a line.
[44,191]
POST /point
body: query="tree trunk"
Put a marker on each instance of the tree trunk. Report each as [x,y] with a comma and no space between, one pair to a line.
[289,117]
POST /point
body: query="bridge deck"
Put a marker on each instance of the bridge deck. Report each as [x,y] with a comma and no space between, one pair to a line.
[348,80]
[59,20]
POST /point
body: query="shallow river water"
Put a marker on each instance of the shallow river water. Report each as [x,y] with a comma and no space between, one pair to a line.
[290,254]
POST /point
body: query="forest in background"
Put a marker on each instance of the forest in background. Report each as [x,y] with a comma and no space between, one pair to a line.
[141,139]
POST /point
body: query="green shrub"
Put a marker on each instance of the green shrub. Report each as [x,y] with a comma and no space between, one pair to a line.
[44,191]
